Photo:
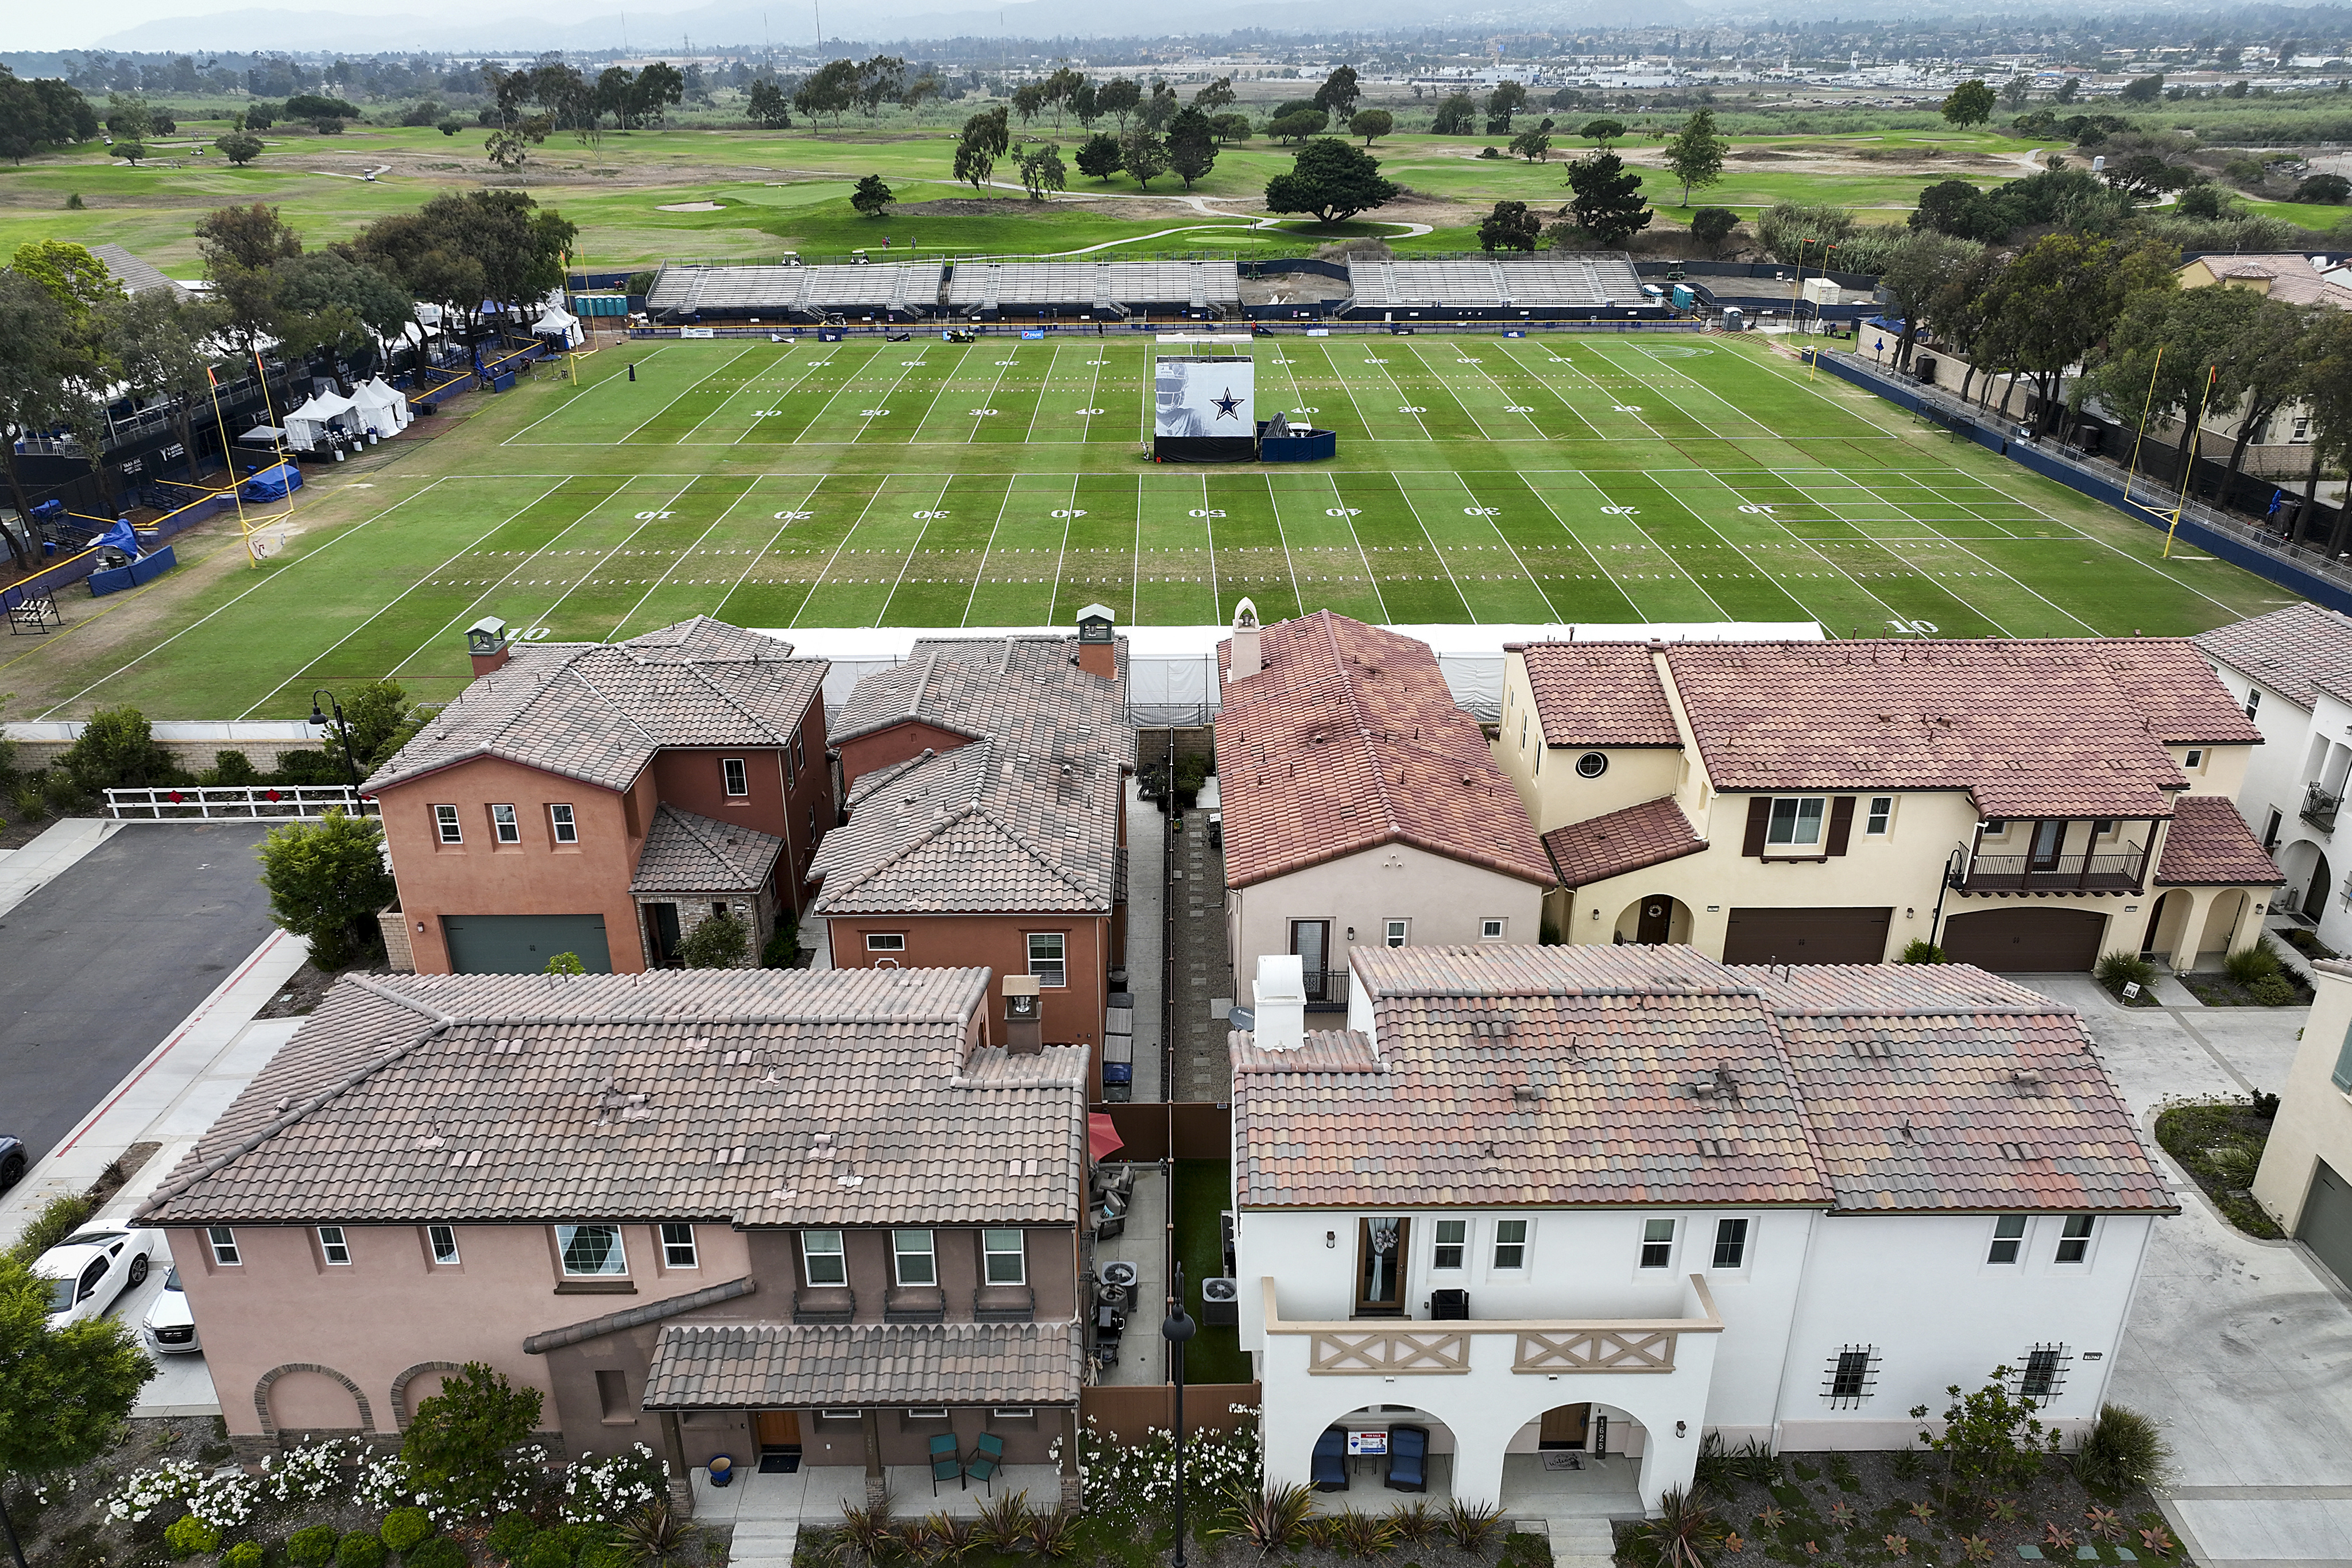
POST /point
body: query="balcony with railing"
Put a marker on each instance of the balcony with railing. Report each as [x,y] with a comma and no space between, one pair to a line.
[2116,869]
[1326,990]
[1543,1347]
[2320,806]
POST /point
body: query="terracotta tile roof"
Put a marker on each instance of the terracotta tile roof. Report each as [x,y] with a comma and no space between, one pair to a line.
[1599,693]
[1023,690]
[1349,738]
[2297,651]
[1326,1050]
[1598,847]
[1597,1074]
[978,830]
[2289,277]
[688,853]
[2210,845]
[679,1094]
[736,1366]
[598,711]
[2050,728]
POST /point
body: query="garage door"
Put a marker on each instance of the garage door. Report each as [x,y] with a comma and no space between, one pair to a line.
[1806,937]
[522,943]
[2326,1226]
[2025,941]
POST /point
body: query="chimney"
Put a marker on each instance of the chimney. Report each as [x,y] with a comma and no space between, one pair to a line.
[1022,1019]
[1245,662]
[1097,655]
[487,640]
[1281,1002]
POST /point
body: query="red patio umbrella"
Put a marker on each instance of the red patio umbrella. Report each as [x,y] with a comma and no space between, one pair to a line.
[1102,1135]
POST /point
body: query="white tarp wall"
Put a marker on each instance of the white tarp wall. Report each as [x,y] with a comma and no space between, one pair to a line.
[1172,671]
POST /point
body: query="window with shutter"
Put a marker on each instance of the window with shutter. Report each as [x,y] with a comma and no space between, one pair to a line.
[1759,817]
[1840,823]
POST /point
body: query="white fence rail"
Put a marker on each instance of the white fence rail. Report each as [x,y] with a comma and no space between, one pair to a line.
[286,802]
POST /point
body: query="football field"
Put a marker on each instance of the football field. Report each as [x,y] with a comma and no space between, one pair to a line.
[1570,478]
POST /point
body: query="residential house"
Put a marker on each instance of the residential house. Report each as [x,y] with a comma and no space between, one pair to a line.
[738,1212]
[986,826]
[2026,805]
[1607,1201]
[1361,805]
[605,800]
[2305,1177]
[2290,673]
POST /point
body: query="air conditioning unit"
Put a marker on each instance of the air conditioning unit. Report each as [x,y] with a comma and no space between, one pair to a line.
[1120,1274]
[1221,1302]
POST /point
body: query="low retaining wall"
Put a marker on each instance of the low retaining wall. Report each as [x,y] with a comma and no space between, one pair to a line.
[193,743]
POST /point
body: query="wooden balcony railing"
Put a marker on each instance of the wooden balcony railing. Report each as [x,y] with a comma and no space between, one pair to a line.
[1542,1346]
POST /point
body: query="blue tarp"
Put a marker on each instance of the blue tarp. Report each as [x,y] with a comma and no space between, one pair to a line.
[273,483]
[120,537]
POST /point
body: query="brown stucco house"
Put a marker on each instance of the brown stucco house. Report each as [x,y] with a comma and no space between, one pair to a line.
[605,800]
[716,1211]
[984,782]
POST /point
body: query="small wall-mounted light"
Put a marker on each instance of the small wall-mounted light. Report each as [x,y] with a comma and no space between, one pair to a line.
[420,926]
[1596,915]
[1908,914]
[1682,1428]
[1351,934]
[1330,1238]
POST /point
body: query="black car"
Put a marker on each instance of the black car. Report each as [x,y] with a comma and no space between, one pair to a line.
[13,1161]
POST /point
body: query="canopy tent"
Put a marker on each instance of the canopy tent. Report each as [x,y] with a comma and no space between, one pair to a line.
[381,409]
[306,426]
[558,323]
[272,484]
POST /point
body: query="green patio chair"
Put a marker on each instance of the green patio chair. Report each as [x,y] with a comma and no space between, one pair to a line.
[987,1458]
[945,1464]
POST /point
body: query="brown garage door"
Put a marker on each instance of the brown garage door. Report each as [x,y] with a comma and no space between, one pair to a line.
[1806,937]
[2025,941]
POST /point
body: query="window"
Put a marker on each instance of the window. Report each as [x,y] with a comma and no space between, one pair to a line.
[1882,812]
[2342,1077]
[1523,732]
[821,1257]
[678,1247]
[800,748]
[1731,1244]
[1853,1374]
[1003,1256]
[332,1246]
[1510,1244]
[443,1240]
[1014,1413]
[2253,700]
[2044,1374]
[567,830]
[1490,930]
[2074,1241]
[2194,760]
[2271,830]
[1995,827]
[1592,765]
[886,941]
[2008,1239]
[1453,1236]
[503,825]
[590,1249]
[1393,935]
[445,823]
[1796,820]
[911,1251]
[1045,958]
[612,1394]
[224,1244]
[739,780]
[1657,1243]
[2103,827]
[838,1414]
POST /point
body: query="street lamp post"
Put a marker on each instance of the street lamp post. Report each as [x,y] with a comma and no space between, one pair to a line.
[318,721]
[1176,1331]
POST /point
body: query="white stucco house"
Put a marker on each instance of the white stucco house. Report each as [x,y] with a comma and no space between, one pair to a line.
[1602,1200]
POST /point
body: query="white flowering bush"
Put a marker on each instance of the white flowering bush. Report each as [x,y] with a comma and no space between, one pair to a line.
[381,1484]
[598,1491]
[1135,1483]
[313,1473]
[221,1501]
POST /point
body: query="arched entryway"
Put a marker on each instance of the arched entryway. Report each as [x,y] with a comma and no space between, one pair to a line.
[1575,1458]
[2164,923]
[1377,1456]
[1654,919]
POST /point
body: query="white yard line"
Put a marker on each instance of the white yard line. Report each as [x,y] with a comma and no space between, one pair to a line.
[620,377]
[542,618]
[916,548]
[679,559]
[667,406]
[978,577]
[818,582]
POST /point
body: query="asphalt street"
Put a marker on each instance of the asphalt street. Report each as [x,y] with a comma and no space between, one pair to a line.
[97,967]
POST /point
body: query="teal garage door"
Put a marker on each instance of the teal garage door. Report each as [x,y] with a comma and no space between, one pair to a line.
[522,943]
[2326,1226]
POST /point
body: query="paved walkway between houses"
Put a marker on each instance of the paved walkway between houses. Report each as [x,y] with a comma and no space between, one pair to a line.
[1203,973]
[1147,904]
[2241,1349]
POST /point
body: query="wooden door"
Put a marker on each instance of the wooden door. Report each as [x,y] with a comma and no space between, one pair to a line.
[1657,921]
[2314,897]
[1564,1426]
[777,1429]
[1379,1267]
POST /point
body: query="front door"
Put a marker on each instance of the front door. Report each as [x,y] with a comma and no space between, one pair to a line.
[777,1429]
[2314,897]
[2048,838]
[1564,1426]
[1658,920]
[1311,940]
[662,919]
[1380,1268]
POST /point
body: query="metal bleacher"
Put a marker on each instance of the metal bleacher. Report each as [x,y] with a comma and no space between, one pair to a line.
[1101,289]
[1579,282]
[901,290]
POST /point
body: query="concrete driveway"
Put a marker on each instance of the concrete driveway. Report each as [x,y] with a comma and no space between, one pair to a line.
[2241,1348]
[104,961]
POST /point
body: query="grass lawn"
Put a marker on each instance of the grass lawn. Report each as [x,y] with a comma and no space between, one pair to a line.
[1559,478]
[1203,1191]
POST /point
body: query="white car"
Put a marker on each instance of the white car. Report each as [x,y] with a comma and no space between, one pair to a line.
[170,1326]
[88,1270]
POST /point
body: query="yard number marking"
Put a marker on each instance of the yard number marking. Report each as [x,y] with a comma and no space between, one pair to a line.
[981,413]
[1628,407]
[873,412]
[766,412]
[1207,512]
[536,634]
[1620,511]
[1482,511]
[1090,411]
[1518,408]
[1071,512]
[1410,408]
[795,517]
[1757,510]
[1342,512]
[930,514]
[652,516]
[1915,628]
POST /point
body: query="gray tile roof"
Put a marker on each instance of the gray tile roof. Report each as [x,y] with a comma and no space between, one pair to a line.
[135,273]
[598,711]
[638,1316]
[1025,690]
[2297,651]
[688,853]
[758,1097]
[729,1366]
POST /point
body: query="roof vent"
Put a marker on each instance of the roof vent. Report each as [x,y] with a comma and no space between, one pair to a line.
[1526,1092]
[1717,1085]
[2026,1081]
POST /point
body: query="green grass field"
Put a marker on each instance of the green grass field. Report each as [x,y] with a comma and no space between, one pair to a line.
[1557,478]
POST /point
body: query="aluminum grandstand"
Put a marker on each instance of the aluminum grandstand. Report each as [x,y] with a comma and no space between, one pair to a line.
[1583,284]
[901,291]
[1099,291]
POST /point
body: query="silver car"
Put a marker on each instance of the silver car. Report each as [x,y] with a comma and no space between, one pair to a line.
[170,1327]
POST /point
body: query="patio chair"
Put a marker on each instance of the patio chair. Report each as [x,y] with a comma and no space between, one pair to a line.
[1408,1459]
[946,1461]
[987,1458]
[1330,1464]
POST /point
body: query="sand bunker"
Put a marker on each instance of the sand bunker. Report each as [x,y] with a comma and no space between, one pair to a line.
[691,207]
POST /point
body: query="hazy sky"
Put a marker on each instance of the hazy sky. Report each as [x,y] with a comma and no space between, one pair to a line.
[30,25]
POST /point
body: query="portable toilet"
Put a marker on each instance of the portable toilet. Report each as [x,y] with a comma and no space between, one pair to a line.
[1653,294]
[1684,298]
[1734,320]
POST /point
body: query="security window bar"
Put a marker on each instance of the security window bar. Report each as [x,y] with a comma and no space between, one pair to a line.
[1005,1259]
[1510,1244]
[821,1257]
[591,1249]
[1731,1243]
[2008,1239]
[1046,960]
[1852,1376]
[333,1247]
[1796,822]
[739,777]
[503,825]
[1657,1243]
[443,1240]
[2044,1376]
[224,1245]
[567,827]
[678,1247]
[445,823]
[1452,1237]
[2074,1241]
[911,1251]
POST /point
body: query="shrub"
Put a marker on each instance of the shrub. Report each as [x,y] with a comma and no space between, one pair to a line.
[456,1446]
[118,750]
[406,1527]
[1686,1533]
[2123,1449]
[2123,966]
[59,1219]
[1271,1521]
[359,1550]
[1002,1523]
[1919,950]
[721,941]
[188,1536]
[1052,1536]
[548,1550]
[245,1555]
[326,880]
[312,1546]
[2247,964]
[1472,1524]
[657,1533]
[440,1552]
[2275,991]
[234,769]
[1488,152]
[783,949]
[1992,1440]
[510,1537]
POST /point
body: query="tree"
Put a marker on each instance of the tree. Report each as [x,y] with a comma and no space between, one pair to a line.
[450,127]
[2326,190]
[45,380]
[459,250]
[1298,125]
[721,941]
[986,137]
[326,880]
[327,300]
[378,721]
[42,113]
[131,153]
[1534,146]
[1920,269]
[2058,299]
[1507,99]
[314,106]
[1712,225]
[2014,90]
[1510,226]
[766,106]
[1332,179]
[64,1393]
[240,245]
[2268,363]
[155,339]
[1602,132]
[128,117]
[1099,159]
[511,145]
[1608,202]
[1191,145]
[75,279]
[1218,94]
[1456,116]
[1695,153]
[239,147]
[1338,93]
[1160,108]
[1144,155]
[1971,103]
[1232,127]
[1062,89]
[457,1444]
[831,88]
[1084,107]
[657,86]
[1958,208]
[1041,170]
[1117,98]
[2143,90]
[1371,124]
[1029,100]
[2068,90]
[872,197]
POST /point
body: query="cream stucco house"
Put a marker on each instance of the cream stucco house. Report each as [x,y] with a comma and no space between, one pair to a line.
[2026,805]
[2305,1179]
